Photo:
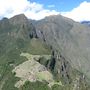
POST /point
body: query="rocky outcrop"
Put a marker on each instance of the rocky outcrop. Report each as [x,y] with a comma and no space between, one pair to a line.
[62,70]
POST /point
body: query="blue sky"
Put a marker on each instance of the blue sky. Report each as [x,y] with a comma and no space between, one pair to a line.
[77,10]
[60,5]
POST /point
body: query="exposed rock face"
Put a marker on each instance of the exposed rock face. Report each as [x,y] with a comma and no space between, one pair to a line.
[63,71]
[68,37]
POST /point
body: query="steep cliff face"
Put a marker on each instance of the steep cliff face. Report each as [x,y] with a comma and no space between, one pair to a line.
[63,71]
[68,37]
[71,78]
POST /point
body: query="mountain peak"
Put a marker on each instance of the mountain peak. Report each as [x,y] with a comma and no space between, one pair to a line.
[18,19]
[19,16]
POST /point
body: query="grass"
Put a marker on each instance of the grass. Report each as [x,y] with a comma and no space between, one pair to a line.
[41,86]
[37,47]
[45,75]
[10,81]
[35,86]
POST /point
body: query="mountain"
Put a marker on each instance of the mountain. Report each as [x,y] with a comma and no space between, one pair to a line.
[69,38]
[86,22]
[49,54]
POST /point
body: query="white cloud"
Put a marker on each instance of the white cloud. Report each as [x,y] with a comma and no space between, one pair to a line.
[9,8]
[33,10]
[80,13]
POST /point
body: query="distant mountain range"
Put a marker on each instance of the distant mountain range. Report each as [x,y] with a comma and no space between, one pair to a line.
[86,22]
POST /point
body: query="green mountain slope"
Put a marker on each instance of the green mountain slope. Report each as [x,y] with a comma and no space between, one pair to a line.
[14,39]
[57,50]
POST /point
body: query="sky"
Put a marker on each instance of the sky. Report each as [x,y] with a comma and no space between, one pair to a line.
[78,10]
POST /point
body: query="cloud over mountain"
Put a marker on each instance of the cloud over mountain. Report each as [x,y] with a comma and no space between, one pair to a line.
[79,13]
[33,10]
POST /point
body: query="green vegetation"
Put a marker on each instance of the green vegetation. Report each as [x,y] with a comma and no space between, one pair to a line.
[10,82]
[7,63]
[45,75]
[42,86]
[38,47]
[35,86]
[33,46]
[13,41]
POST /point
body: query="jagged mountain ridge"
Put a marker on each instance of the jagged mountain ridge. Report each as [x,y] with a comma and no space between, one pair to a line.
[55,34]
[69,37]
